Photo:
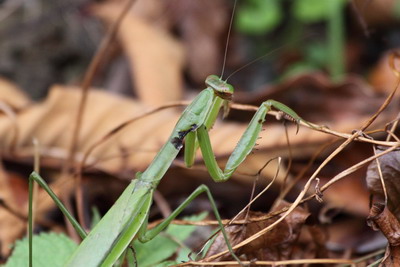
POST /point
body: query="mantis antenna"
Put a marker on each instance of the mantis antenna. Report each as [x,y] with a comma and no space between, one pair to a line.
[253,61]
[227,38]
[267,54]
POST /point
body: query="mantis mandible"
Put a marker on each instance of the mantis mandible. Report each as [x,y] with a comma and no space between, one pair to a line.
[127,218]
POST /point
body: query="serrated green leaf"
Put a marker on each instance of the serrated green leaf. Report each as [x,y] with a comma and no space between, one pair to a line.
[258,16]
[49,249]
[154,252]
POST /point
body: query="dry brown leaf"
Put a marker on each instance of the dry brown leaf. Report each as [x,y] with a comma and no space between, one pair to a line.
[377,13]
[386,217]
[382,77]
[10,195]
[274,245]
[11,95]
[348,195]
[389,165]
[51,121]
[319,237]
[153,11]
[381,218]
[156,59]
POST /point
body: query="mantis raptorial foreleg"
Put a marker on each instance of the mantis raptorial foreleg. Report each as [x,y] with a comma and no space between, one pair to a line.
[244,146]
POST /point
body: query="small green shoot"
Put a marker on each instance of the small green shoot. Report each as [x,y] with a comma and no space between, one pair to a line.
[260,17]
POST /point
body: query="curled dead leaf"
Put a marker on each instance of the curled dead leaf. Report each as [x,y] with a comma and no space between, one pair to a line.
[275,245]
[386,217]
[382,219]
[390,166]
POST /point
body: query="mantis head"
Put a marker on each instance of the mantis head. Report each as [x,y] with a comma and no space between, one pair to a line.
[221,88]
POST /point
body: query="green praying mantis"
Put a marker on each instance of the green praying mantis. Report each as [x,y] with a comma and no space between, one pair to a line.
[127,219]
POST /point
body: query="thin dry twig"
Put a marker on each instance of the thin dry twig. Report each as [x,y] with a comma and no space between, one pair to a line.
[290,159]
[262,192]
[273,263]
[317,128]
[381,177]
[293,182]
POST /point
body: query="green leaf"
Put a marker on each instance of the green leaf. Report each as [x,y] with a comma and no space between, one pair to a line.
[258,16]
[310,11]
[49,249]
[162,246]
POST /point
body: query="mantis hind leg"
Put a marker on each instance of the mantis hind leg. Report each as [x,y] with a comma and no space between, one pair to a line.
[150,234]
[37,178]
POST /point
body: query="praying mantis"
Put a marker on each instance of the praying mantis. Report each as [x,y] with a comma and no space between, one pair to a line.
[127,218]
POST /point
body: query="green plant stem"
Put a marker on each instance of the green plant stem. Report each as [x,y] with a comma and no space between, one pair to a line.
[336,41]
[30,221]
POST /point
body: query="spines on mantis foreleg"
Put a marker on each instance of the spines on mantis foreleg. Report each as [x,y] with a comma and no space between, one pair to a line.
[287,113]
[246,142]
[239,154]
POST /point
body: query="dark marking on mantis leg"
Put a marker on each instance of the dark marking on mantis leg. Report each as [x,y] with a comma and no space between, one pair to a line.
[177,141]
